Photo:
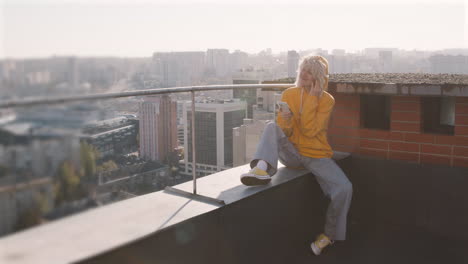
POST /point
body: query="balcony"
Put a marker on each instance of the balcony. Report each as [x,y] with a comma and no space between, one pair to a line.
[403,211]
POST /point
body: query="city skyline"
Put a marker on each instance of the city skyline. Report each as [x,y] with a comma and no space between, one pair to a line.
[139,28]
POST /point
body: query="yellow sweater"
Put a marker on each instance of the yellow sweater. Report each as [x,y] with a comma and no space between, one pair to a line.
[308,131]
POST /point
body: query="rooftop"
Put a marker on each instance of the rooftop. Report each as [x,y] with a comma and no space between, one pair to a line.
[275,223]
[401,213]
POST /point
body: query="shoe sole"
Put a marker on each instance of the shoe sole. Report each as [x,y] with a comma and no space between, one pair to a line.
[251,180]
[315,249]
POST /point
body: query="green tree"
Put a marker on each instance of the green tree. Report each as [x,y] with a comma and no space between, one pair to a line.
[109,165]
[32,215]
[67,183]
[72,183]
[88,154]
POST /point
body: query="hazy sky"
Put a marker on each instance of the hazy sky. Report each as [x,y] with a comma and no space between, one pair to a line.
[40,28]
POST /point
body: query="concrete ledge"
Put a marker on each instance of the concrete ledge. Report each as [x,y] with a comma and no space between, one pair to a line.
[99,230]
[457,90]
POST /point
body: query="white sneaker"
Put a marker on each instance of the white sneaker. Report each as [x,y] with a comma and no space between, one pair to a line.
[319,244]
[254,177]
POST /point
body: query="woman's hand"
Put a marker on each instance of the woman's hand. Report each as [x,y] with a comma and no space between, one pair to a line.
[286,115]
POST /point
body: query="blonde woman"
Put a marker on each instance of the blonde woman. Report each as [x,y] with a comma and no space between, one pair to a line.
[299,140]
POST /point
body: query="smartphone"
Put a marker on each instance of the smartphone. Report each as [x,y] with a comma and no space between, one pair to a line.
[284,107]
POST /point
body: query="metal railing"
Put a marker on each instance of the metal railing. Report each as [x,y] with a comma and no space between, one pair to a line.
[192,89]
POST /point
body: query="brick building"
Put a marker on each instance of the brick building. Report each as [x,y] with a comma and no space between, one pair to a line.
[420,118]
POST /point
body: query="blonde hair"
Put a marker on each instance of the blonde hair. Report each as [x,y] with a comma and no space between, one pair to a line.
[318,68]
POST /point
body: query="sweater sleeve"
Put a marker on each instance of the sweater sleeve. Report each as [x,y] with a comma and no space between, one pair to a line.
[286,125]
[317,121]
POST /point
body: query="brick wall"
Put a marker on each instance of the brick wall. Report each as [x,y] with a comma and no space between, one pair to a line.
[405,140]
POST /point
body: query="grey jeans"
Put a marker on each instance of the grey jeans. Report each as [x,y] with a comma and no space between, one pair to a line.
[275,145]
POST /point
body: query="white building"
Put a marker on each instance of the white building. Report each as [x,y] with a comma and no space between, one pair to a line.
[214,122]
[245,140]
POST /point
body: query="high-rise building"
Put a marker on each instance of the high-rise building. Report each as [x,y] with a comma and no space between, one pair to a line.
[217,61]
[246,94]
[386,61]
[339,52]
[293,63]
[179,68]
[214,122]
[238,60]
[245,140]
[449,64]
[158,127]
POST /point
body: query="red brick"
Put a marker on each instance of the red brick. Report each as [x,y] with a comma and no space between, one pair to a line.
[443,160]
[375,144]
[397,136]
[461,120]
[404,146]
[349,113]
[382,134]
[460,162]
[365,133]
[460,151]
[345,122]
[406,116]
[375,134]
[419,138]
[345,148]
[461,130]
[436,149]
[343,131]
[406,106]
[373,153]
[445,140]
[461,141]
[347,104]
[406,156]
[346,97]
[346,141]
[405,98]
[461,109]
[462,100]
[402,126]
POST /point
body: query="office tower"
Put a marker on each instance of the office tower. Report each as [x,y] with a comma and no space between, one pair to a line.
[237,60]
[246,94]
[179,68]
[217,62]
[158,127]
[214,122]
[449,64]
[386,61]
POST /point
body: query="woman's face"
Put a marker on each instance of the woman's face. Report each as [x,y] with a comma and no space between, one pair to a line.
[306,78]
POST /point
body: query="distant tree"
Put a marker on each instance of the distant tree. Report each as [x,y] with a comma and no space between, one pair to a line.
[67,183]
[173,159]
[89,154]
[109,165]
[72,183]
[32,215]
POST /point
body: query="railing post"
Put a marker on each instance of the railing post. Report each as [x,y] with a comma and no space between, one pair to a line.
[194,194]
[194,170]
